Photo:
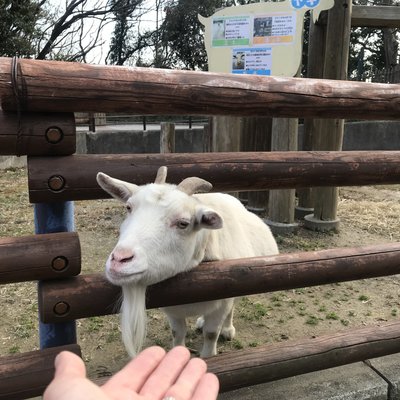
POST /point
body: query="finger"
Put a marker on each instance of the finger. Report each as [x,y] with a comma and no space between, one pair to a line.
[69,365]
[188,380]
[166,373]
[70,380]
[207,389]
[135,374]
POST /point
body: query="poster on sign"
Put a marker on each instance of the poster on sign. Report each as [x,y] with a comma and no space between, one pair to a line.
[232,31]
[255,61]
[274,29]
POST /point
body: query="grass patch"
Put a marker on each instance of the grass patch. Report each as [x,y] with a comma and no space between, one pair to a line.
[252,311]
[95,324]
[312,320]
[237,344]
[332,315]
[14,349]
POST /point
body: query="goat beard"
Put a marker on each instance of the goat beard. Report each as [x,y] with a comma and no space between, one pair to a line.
[133,318]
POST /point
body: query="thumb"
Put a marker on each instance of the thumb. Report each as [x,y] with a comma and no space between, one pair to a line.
[68,378]
[69,365]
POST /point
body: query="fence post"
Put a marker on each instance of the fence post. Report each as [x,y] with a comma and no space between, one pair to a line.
[282,201]
[330,136]
[51,218]
[207,140]
[315,69]
[167,137]
[92,122]
[256,136]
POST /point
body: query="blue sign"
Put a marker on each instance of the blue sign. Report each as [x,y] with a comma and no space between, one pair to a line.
[312,3]
[252,71]
[298,4]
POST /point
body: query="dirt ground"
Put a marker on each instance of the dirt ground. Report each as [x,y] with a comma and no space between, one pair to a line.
[368,215]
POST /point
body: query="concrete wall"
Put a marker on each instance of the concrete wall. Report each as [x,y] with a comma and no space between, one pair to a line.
[109,142]
[374,135]
[12,162]
[368,135]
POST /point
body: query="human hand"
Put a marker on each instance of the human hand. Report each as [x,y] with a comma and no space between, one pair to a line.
[152,375]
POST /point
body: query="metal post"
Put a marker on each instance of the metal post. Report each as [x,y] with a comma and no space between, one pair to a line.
[51,218]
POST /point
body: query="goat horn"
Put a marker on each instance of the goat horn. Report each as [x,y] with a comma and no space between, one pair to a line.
[194,185]
[161,175]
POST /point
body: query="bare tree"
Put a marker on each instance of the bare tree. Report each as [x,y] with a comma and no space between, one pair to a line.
[76,29]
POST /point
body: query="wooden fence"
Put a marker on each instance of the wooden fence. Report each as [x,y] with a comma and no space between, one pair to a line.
[37,98]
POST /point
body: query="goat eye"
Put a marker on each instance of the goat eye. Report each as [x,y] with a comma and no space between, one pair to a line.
[129,207]
[182,224]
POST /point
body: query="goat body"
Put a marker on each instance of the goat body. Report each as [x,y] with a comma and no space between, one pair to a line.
[169,229]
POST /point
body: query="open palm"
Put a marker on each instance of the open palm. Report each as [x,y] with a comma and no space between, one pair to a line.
[152,375]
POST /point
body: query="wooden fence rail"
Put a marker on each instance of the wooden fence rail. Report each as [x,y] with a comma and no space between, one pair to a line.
[74,178]
[282,360]
[57,86]
[30,258]
[91,295]
[26,375]
[376,16]
[37,134]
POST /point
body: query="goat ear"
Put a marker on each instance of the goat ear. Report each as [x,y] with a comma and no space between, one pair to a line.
[120,190]
[209,219]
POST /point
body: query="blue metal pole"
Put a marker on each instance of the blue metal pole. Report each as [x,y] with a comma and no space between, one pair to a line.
[51,218]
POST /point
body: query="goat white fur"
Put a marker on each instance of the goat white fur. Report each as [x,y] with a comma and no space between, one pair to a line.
[170,229]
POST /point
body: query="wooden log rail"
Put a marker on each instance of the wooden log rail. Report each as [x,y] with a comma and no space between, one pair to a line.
[26,375]
[49,256]
[57,86]
[37,134]
[376,16]
[91,295]
[271,362]
[74,177]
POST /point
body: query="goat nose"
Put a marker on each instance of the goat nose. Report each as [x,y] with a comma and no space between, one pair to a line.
[122,255]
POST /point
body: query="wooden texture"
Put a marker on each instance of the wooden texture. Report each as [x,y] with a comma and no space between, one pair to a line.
[256,136]
[376,16]
[90,295]
[226,171]
[36,257]
[26,375]
[57,86]
[40,134]
[315,69]
[330,134]
[282,360]
[167,137]
[226,133]
[284,138]
[207,138]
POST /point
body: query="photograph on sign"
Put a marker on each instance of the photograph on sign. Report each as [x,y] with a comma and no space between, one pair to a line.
[231,31]
[274,29]
[255,61]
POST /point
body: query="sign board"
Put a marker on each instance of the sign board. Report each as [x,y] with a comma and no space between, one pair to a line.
[260,38]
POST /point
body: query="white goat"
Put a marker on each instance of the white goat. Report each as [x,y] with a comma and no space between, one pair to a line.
[170,229]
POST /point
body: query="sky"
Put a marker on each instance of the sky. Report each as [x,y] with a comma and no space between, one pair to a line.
[98,55]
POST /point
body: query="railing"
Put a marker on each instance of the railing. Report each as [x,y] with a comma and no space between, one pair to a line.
[30,87]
